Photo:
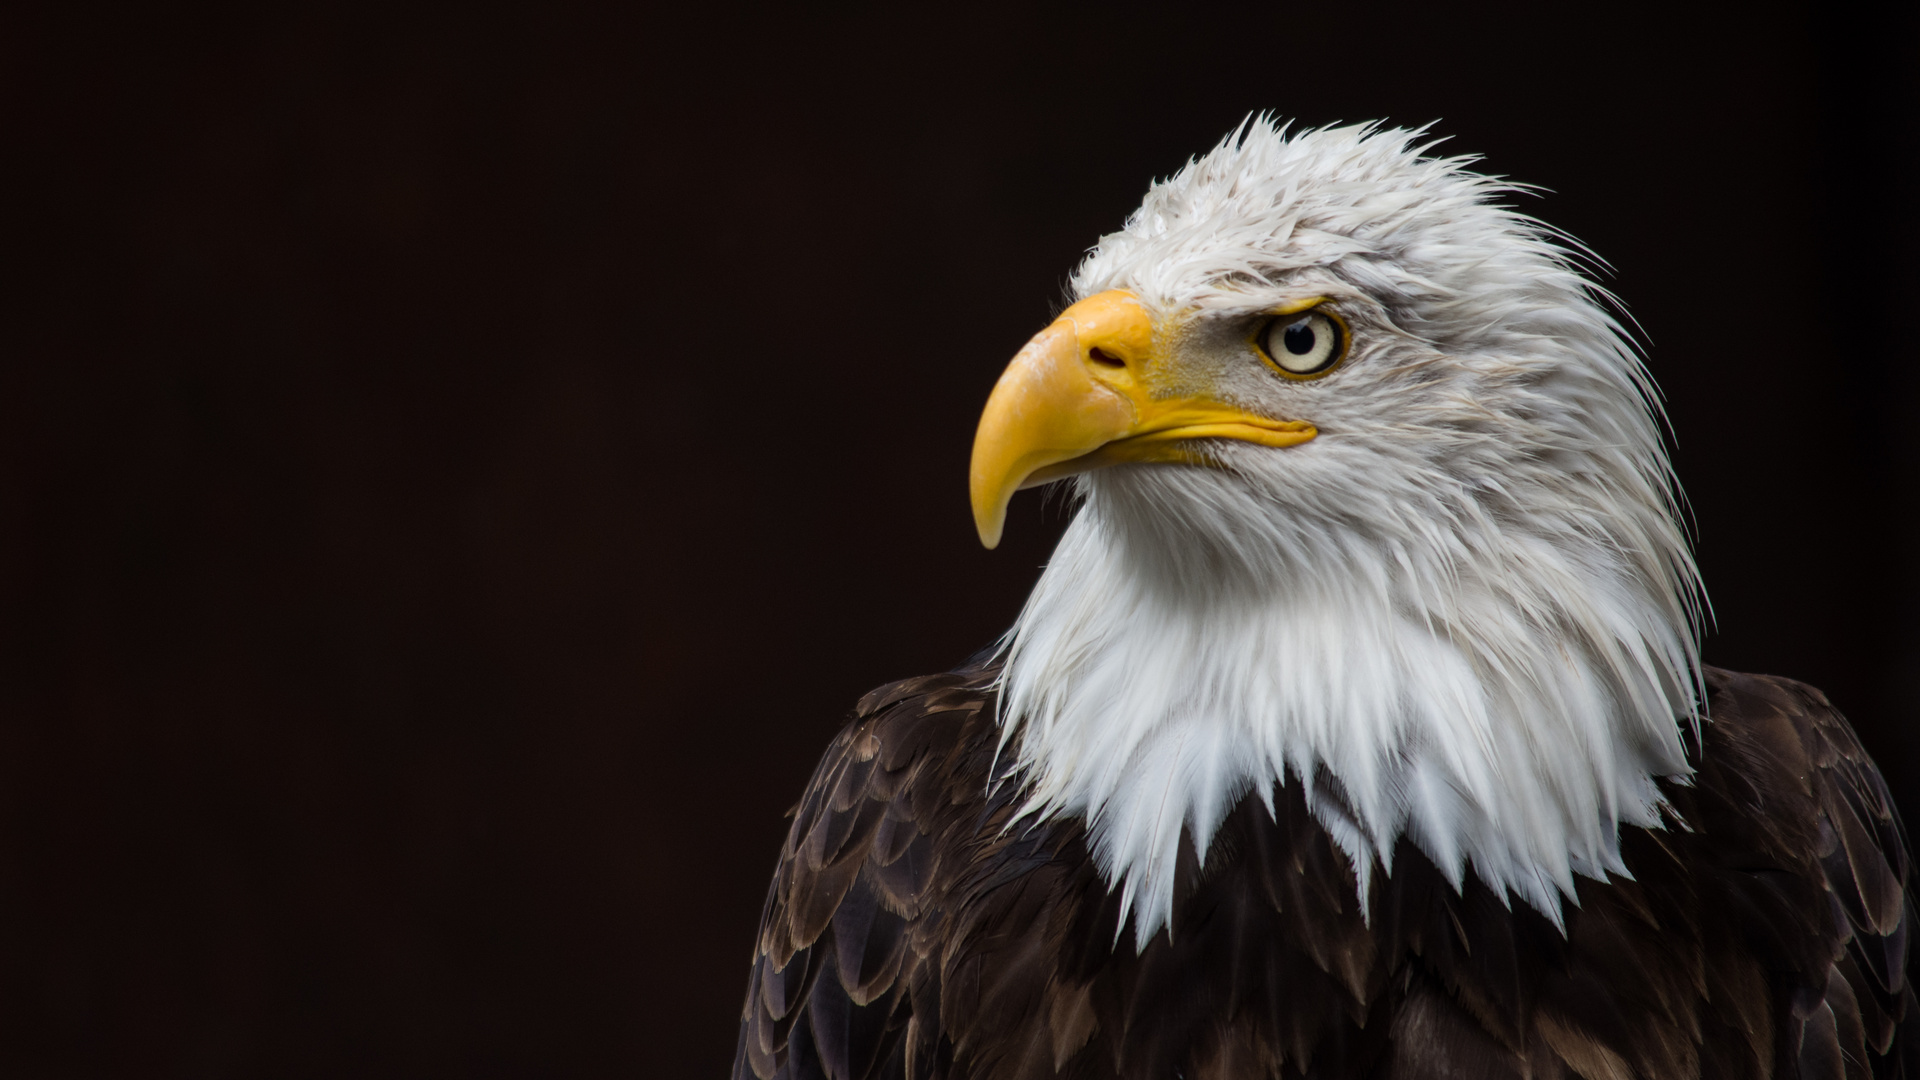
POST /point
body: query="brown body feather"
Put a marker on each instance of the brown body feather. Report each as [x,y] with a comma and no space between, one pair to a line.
[909,933]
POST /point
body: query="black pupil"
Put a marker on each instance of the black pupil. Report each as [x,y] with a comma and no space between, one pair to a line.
[1300,337]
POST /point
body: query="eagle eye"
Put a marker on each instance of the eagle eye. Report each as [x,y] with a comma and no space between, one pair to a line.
[1304,345]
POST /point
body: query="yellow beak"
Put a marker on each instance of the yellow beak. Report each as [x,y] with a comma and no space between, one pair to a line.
[1080,396]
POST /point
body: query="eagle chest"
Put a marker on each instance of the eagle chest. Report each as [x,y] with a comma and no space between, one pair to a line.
[919,927]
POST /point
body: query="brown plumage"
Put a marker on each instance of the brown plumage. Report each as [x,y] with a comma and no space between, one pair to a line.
[909,932]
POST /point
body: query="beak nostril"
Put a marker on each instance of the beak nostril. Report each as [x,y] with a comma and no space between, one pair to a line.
[1103,357]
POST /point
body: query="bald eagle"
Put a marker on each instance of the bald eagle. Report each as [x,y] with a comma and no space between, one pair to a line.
[1357,725]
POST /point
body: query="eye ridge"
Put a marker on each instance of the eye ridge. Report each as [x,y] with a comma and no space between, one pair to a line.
[1303,345]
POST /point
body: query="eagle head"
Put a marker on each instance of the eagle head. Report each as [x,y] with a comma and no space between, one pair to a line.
[1372,499]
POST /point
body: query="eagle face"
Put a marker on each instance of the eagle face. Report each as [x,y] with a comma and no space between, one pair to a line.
[1372,499]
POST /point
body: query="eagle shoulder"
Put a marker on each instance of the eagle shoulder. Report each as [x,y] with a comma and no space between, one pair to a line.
[1799,851]
[843,948]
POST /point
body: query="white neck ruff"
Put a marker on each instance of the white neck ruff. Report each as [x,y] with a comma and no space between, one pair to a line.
[1507,704]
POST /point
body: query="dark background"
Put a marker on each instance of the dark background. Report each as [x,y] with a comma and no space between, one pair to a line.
[456,469]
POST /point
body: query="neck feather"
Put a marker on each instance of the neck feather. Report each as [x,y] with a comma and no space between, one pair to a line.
[1507,704]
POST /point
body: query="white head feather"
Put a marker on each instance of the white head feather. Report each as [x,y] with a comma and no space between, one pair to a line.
[1467,601]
